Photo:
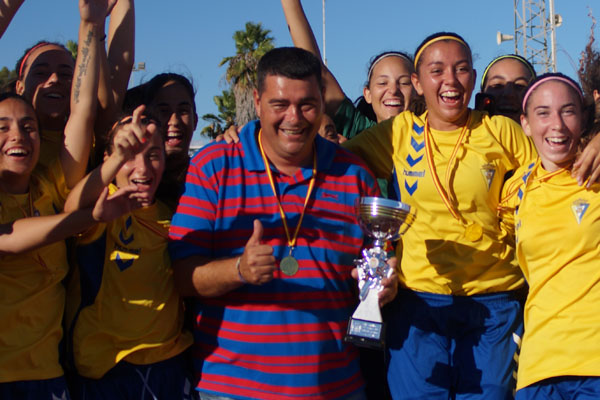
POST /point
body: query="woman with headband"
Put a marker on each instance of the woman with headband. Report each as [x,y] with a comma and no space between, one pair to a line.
[456,322]
[503,85]
[387,92]
[556,223]
[31,282]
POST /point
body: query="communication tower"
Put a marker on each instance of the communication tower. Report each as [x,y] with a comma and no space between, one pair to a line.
[535,33]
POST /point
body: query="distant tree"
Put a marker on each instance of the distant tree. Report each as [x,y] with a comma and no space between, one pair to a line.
[7,77]
[251,44]
[226,117]
[72,47]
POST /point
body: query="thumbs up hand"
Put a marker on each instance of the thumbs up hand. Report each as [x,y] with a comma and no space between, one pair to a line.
[257,264]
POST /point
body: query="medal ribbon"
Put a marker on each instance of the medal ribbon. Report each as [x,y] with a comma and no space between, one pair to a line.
[444,192]
[291,241]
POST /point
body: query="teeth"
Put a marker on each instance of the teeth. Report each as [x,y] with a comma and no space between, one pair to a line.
[557,140]
[17,152]
[393,103]
[292,131]
[450,94]
[141,181]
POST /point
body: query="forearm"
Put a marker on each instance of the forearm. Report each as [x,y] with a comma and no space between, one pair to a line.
[197,276]
[304,38]
[30,233]
[86,192]
[8,9]
[121,48]
[79,128]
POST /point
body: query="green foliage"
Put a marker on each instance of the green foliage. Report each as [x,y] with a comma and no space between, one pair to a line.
[6,77]
[217,124]
[250,44]
[72,47]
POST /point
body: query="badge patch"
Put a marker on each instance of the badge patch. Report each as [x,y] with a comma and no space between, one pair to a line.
[488,171]
[579,207]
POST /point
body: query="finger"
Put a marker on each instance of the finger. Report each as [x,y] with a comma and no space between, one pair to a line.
[125,191]
[584,167]
[354,273]
[257,234]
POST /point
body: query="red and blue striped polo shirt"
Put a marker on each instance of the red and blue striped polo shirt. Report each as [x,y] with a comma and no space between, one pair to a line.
[283,339]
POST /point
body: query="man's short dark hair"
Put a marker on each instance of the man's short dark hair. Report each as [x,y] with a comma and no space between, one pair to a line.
[290,62]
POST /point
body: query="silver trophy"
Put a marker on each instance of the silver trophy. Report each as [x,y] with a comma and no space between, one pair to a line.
[383,220]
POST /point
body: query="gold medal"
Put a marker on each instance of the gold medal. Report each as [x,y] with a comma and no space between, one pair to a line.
[289,266]
[473,232]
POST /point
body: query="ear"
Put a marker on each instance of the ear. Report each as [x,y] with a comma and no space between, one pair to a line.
[367,95]
[596,95]
[525,125]
[256,102]
[19,87]
[105,156]
[414,78]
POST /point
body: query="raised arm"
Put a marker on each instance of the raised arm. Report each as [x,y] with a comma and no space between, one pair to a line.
[121,48]
[304,38]
[8,9]
[79,128]
[128,141]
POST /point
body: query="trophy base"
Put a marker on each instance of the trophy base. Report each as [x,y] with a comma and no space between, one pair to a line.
[365,333]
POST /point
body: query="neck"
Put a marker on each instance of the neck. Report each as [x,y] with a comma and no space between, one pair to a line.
[442,125]
[288,165]
[52,124]
[14,184]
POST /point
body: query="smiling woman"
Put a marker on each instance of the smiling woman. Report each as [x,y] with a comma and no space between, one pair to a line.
[45,74]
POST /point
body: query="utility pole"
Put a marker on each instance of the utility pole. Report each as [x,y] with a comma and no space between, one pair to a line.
[324,45]
[534,28]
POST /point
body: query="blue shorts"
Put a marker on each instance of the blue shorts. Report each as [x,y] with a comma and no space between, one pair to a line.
[46,389]
[562,388]
[169,379]
[454,347]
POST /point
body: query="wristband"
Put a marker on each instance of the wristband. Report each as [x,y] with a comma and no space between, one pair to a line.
[237,266]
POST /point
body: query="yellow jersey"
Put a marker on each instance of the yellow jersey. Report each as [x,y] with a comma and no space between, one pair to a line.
[32,297]
[557,231]
[122,303]
[438,254]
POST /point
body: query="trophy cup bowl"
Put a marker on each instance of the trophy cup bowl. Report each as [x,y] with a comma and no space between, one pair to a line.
[381,219]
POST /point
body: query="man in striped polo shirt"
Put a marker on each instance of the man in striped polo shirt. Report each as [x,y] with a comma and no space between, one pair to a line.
[264,237]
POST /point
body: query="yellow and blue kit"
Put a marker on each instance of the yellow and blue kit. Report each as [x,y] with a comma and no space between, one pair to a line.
[557,231]
[122,303]
[32,297]
[451,329]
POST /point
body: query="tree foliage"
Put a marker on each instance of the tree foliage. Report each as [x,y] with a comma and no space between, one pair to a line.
[217,124]
[251,44]
[7,77]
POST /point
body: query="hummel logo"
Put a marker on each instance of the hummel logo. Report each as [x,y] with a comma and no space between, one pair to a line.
[327,195]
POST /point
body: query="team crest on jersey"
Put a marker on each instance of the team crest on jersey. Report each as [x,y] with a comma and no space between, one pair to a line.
[579,207]
[488,171]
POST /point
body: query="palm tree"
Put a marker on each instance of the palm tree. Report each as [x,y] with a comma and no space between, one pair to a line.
[226,117]
[251,44]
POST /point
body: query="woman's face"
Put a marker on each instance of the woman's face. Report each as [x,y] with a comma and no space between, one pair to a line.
[507,81]
[19,144]
[145,170]
[46,82]
[446,79]
[175,110]
[554,120]
[390,89]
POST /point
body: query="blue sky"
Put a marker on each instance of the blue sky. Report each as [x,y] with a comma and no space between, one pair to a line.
[191,37]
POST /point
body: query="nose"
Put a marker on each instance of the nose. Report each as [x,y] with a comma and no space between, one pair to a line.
[173,119]
[53,78]
[293,113]
[557,122]
[141,163]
